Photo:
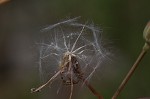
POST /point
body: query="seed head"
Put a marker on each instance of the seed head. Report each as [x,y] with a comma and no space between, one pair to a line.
[75,50]
[69,37]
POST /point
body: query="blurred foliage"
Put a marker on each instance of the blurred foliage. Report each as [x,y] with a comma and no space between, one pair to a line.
[122,22]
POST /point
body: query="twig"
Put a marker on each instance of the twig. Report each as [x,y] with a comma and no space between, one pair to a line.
[46,84]
[71,90]
[130,73]
[146,47]
[92,89]
[3,1]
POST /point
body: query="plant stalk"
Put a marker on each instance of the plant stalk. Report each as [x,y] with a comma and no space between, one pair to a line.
[132,70]
[93,90]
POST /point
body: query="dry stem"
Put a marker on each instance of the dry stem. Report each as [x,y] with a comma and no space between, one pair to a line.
[93,90]
[130,73]
[46,84]
[3,1]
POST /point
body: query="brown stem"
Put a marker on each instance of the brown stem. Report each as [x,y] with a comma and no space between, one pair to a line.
[3,1]
[128,76]
[46,84]
[93,90]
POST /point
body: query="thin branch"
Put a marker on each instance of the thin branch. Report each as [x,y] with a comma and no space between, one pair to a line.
[3,1]
[98,95]
[71,88]
[146,47]
[46,84]
[71,79]
[130,73]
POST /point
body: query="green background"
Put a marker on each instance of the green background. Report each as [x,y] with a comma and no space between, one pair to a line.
[122,22]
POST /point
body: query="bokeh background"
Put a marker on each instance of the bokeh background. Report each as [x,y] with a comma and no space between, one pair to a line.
[122,22]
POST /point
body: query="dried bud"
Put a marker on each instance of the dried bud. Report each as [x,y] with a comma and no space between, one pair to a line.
[146,33]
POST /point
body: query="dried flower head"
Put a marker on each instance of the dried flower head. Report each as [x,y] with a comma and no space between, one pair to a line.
[75,50]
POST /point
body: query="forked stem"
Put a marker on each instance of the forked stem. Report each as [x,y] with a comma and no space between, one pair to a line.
[131,71]
[92,89]
[46,84]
